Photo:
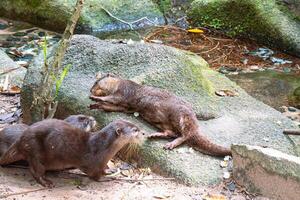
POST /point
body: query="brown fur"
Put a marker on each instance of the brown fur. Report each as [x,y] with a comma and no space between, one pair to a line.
[159,107]
[56,145]
[11,133]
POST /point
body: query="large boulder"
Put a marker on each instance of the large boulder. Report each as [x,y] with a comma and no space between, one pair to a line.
[9,68]
[54,14]
[272,22]
[242,118]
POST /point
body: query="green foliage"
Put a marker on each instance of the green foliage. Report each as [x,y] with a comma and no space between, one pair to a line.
[58,80]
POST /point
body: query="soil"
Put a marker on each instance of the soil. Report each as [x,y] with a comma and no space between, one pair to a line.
[220,50]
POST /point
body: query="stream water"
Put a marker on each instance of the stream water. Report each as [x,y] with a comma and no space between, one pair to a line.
[274,88]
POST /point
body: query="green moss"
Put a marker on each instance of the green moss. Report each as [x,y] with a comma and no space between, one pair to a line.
[194,69]
[164,5]
[260,19]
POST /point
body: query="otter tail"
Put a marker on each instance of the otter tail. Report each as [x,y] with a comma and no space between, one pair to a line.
[204,145]
[11,155]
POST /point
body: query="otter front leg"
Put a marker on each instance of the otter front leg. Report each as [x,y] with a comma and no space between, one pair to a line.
[107,99]
[178,141]
[165,134]
[109,108]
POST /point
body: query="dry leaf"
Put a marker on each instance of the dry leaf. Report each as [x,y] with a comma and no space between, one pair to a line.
[228,93]
[215,197]
[162,196]
[195,30]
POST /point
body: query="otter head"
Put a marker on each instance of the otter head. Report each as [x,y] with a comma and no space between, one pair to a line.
[105,85]
[121,133]
[83,122]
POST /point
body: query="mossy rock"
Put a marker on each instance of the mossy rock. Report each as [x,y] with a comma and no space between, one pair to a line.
[54,14]
[242,118]
[268,21]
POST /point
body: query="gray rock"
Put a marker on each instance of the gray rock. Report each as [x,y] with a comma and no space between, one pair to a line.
[266,171]
[54,14]
[242,118]
[16,73]
[270,22]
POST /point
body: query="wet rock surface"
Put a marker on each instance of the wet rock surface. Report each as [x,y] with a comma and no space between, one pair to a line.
[54,14]
[242,118]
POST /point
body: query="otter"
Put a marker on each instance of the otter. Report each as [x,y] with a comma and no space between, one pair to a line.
[11,133]
[167,112]
[55,145]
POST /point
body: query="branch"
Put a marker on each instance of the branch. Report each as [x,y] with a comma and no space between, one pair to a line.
[130,24]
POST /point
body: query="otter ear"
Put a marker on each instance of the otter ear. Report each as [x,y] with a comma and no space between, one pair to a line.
[119,131]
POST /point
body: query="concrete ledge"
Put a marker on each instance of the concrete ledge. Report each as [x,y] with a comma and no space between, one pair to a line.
[266,171]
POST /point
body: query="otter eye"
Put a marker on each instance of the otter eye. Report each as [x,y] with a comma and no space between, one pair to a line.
[135,129]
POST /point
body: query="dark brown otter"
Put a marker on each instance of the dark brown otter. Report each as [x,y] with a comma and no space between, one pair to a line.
[11,133]
[55,145]
[159,107]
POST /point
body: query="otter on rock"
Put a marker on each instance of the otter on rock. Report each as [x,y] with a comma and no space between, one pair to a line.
[11,133]
[55,145]
[169,113]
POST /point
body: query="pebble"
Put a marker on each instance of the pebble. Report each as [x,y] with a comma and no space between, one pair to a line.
[226,175]
[254,67]
[292,109]
[3,26]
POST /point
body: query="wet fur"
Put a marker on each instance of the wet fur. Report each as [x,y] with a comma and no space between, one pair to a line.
[56,145]
[169,113]
[11,133]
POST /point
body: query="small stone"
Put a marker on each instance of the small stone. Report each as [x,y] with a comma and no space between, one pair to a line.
[254,67]
[231,186]
[42,33]
[130,41]
[191,150]
[224,164]
[286,70]
[3,26]
[226,175]
[292,109]
[279,122]
[136,114]
[266,139]
[244,61]
[227,158]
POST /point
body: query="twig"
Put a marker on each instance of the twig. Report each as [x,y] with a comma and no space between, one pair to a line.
[212,48]
[130,24]
[291,132]
[9,70]
[20,193]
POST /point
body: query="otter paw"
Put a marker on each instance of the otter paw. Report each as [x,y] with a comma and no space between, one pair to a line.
[94,106]
[169,146]
[154,135]
[46,183]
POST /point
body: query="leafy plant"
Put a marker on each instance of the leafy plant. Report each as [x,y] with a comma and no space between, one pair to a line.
[59,80]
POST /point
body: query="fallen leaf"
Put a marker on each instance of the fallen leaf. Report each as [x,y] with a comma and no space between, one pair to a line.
[214,197]
[228,93]
[195,30]
[162,196]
